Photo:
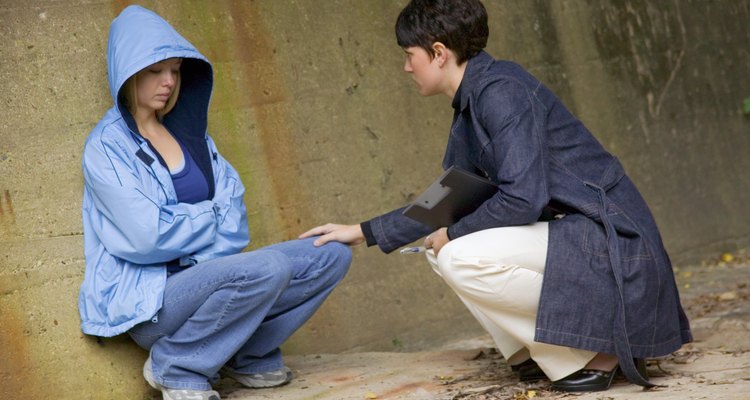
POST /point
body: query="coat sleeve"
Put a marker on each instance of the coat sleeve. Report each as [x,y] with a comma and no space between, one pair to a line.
[130,223]
[393,230]
[232,233]
[506,111]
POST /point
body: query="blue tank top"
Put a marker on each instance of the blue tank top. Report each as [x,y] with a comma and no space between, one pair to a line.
[191,187]
[189,182]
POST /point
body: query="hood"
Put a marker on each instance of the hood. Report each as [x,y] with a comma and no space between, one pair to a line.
[138,38]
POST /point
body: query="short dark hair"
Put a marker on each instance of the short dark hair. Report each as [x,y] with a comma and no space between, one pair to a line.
[461,25]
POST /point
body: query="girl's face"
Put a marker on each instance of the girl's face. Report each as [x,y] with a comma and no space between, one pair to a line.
[155,83]
[424,70]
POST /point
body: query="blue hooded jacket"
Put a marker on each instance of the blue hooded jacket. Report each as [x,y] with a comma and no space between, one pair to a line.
[132,222]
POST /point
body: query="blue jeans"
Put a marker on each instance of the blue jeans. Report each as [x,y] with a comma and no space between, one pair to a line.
[237,311]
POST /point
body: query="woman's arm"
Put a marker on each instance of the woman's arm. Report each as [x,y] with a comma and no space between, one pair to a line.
[514,125]
[232,234]
[130,223]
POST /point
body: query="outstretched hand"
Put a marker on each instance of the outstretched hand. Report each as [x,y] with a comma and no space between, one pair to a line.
[347,234]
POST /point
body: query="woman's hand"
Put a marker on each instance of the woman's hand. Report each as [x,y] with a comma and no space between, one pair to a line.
[436,240]
[347,234]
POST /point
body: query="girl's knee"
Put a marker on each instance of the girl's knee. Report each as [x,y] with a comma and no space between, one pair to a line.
[337,258]
[271,266]
[340,253]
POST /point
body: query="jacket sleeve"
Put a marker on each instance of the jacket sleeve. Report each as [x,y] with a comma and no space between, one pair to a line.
[507,113]
[130,223]
[393,230]
[232,234]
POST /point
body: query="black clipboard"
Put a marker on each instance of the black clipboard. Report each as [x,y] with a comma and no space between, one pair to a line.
[452,196]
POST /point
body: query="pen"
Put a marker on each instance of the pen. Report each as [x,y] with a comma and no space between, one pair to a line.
[412,250]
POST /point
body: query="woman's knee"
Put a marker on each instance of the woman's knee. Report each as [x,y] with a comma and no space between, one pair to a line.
[340,254]
[447,266]
[336,258]
[462,270]
[270,266]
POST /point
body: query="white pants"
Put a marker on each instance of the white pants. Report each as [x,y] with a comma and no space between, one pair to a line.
[498,274]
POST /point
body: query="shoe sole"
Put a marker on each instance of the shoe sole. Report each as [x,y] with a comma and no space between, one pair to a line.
[587,388]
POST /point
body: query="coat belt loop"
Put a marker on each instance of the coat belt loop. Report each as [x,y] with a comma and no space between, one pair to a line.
[620,333]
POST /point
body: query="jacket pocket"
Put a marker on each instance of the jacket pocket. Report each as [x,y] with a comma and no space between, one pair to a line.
[630,240]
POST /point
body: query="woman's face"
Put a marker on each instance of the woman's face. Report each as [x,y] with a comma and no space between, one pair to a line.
[155,83]
[424,70]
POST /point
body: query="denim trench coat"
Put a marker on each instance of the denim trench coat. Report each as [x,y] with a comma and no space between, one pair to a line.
[608,284]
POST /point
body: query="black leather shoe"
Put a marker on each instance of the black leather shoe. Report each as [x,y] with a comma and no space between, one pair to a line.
[528,371]
[585,380]
[517,367]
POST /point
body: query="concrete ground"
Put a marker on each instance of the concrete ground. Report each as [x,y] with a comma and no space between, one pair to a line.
[716,366]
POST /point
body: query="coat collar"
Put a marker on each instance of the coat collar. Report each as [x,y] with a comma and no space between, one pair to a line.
[476,65]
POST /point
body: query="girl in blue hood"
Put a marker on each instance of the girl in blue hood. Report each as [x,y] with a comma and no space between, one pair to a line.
[164,226]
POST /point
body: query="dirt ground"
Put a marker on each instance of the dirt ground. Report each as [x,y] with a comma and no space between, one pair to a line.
[715,295]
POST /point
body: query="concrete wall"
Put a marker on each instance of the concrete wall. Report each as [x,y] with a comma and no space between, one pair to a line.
[311,107]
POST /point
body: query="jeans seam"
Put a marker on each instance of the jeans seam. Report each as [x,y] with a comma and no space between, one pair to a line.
[276,365]
[219,321]
[202,346]
[200,288]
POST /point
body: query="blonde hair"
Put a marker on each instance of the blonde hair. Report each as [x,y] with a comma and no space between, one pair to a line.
[130,93]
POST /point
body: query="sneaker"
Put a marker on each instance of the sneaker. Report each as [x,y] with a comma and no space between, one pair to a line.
[177,394]
[261,380]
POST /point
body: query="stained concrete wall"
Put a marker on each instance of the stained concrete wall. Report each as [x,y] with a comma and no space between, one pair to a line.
[311,107]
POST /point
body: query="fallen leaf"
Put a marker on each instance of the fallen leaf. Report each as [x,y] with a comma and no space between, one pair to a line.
[727,257]
[726,296]
[476,355]
[371,395]
[531,393]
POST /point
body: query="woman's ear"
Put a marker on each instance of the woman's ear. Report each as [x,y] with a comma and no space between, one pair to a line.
[440,52]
